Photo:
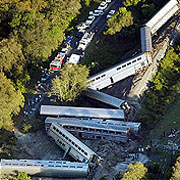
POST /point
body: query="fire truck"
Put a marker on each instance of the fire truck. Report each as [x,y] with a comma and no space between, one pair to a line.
[57,63]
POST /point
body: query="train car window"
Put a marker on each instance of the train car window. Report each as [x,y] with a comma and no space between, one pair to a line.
[106,131]
[79,167]
[86,153]
[139,58]
[124,66]
[128,63]
[97,78]
[58,166]
[65,166]
[98,130]
[54,128]
[72,166]
[73,143]
[118,68]
[103,75]
[134,61]
[112,132]
[86,129]
[118,132]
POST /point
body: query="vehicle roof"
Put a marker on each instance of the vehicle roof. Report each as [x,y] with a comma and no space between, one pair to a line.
[105,98]
[104,113]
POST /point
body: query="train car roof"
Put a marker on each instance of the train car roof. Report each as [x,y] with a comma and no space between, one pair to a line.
[105,98]
[146,40]
[103,113]
[87,124]
[74,139]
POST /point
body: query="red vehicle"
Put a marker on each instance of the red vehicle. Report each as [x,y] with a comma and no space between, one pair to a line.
[56,64]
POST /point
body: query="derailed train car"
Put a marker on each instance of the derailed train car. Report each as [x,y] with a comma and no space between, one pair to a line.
[58,169]
[89,129]
[73,146]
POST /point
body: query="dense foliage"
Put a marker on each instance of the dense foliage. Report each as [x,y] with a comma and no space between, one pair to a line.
[10,102]
[29,32]
[72,82]
[176,170]
[122,18]
[136,171]
[22,176]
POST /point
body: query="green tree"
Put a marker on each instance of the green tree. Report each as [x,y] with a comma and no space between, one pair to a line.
[121,19]
[131,2]
[22,176]
[10,102]
[72,82]
[136,172]
[176,170]
[11,56]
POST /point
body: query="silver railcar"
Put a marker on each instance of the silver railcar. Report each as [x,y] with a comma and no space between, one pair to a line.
[88,129]
[163,15]
[108,99]
[86,112]
[72,146]
[118,72]
[135,127]
[44,168]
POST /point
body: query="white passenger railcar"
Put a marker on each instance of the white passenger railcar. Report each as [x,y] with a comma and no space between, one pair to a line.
[86,112]
[72,146]
[163,15]
[58,169]
[88,129]
[118,72]
[134,126]
[108,99]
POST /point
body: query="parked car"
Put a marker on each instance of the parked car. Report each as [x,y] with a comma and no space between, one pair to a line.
[90,20]
[111,13]
[82,26]
[103,6]
[91,13]
[63,51]
[98,12]
[68,39]
[44,77]
[108,1]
